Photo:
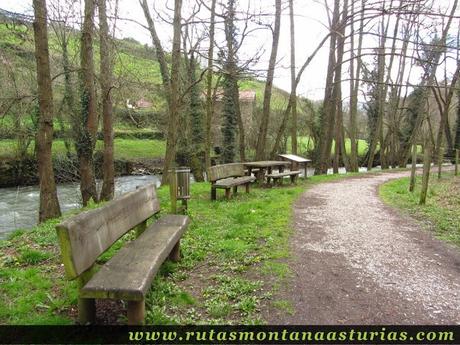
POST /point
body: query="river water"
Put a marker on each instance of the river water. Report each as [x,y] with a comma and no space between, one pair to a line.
[19,206]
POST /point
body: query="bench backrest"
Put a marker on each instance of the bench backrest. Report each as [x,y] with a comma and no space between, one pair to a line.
[219,172]
[84,237]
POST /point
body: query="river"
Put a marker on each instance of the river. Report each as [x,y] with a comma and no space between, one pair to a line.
[19,206]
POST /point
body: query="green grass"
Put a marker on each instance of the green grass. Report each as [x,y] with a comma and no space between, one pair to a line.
[442,209]
[305,145]
[124,148]
[231,252]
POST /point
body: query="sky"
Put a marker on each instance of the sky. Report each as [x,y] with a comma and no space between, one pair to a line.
[310,28]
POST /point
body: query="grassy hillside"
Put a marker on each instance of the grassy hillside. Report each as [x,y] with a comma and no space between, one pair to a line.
[137,76]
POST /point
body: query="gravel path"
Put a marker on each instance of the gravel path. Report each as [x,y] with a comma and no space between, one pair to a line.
[358,261]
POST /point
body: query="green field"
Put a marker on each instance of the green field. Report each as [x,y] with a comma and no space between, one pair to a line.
[305,144]
[124,148]
[442,209]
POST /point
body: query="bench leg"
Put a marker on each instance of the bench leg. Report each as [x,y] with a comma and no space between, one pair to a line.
[213,193]
[175,252]
[235,189]
[86,311]
[247,187]
[227,193]
[136,312]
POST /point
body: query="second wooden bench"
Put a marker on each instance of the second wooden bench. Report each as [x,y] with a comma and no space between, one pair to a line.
[228,176]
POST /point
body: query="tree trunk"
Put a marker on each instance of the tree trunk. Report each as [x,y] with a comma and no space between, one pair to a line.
[354,86]
[293,81]
[209,74]
[170,81]
[287,111]
[262,138]
[413,168]
[108,168]
[174,102]
[239,118]
[49,203]
[88,117]
[426,172]
[329,106]
[196,119]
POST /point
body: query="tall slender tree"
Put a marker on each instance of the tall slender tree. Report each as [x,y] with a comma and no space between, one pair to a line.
[106,67]
[265,118]
[231,102]
[49,203]
[293,83]
[88,121]
[209,76]
[170,80]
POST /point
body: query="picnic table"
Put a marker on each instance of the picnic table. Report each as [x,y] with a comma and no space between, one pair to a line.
[264,165]
[295,161]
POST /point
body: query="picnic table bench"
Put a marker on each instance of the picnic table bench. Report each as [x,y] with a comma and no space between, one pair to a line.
[296,161]
[269,165]
[278,177]
[228,176]
[128,275]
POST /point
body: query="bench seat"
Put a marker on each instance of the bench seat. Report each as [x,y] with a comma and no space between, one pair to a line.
[279,176]
[232,182]
[129,273]
[283,174]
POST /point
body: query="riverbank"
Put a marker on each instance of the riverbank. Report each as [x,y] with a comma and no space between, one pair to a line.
[232,263]
[24,172]
[441,214]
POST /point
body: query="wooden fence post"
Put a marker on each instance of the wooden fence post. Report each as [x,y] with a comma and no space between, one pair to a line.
[426,173]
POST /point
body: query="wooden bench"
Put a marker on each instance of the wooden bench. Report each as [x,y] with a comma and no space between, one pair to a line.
[278,177]
[227,176]
[129,273]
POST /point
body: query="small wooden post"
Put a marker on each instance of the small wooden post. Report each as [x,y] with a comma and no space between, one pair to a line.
[413,167]
[457,154]
[136,312]
[173,190]
[426,174]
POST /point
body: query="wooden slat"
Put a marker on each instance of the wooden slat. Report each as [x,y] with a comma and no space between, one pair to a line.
[231,182]
[286,173]
[87,235]
[295,158]
[222,171]
[129,274]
